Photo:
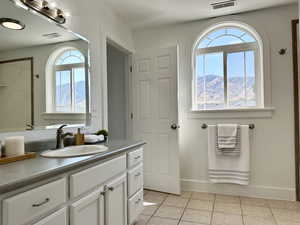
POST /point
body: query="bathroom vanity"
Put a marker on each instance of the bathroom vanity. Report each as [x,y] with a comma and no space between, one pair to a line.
[104,189]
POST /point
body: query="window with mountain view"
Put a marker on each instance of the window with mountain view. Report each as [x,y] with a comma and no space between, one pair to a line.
[225,70]
[70,91]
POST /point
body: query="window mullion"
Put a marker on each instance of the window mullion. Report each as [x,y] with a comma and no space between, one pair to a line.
[245,79]
[72,89]
[225,78]
[204,76]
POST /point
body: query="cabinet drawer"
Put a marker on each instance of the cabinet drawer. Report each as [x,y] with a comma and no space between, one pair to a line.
[135,157]
[135,179]
[57,218]
[31,204]
[135,207]
[83,181]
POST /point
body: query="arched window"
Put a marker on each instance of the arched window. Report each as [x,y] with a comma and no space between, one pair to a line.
[227,73]
[69,80]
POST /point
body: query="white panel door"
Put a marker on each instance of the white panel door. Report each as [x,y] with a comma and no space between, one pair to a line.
[15,95]
[155,111]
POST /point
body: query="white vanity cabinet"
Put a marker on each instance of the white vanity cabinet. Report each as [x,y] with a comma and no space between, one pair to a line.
[135,184]
[116,202]
[26,206]
[89,208]
[105,193]
[57,218]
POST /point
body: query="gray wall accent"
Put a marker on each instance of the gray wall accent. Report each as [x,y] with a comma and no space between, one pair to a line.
[116,93]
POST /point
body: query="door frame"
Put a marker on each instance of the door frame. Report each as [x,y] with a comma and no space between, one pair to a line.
[128,85]
[31,60]
[296,104]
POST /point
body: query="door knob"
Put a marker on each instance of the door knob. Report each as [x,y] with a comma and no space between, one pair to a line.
[174,126]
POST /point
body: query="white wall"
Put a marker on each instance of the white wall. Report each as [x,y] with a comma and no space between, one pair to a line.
[272,157]
[116,93]
[96,23]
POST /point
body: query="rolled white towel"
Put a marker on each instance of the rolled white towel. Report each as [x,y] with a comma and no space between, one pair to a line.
[91,138]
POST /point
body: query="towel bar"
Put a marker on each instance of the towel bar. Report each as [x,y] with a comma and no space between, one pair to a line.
[251,126]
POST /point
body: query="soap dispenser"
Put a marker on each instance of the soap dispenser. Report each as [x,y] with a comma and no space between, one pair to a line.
[79,138]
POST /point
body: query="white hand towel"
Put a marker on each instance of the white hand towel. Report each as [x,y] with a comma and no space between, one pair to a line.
[227,136]
[225,168]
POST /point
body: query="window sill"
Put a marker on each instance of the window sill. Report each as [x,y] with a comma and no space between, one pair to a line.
[62,113]
[232,113]
[62,116]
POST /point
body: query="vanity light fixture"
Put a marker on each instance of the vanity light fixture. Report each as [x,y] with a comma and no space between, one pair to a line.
[47,9]
[11,24]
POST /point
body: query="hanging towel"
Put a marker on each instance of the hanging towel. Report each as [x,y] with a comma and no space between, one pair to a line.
[225,168]
[230,151]
[227,136]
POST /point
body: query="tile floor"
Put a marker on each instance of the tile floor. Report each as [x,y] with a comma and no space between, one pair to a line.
[194,208]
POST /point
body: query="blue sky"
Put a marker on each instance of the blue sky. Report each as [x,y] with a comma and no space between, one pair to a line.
[235,64]
[212,64]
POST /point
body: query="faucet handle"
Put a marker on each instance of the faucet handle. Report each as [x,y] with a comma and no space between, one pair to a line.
[61,127]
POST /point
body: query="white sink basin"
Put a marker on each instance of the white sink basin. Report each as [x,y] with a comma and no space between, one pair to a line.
[73,151]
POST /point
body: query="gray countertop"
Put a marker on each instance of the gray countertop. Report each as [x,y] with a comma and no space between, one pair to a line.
[18,174]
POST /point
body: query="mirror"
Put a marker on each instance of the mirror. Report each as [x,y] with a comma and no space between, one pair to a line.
[44,72]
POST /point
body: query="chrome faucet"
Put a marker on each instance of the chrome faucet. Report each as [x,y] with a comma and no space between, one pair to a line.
[60,136]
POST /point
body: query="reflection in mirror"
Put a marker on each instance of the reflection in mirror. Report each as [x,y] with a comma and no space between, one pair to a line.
[44,73]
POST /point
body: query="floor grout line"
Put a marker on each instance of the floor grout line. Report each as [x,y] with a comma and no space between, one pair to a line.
[159,205]
[213,209]
[242,213]
[189,199]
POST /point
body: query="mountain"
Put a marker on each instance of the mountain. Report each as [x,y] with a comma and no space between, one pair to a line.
[214,91]
[65,97]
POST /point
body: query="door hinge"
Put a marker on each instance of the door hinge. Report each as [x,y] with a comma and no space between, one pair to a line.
[130,69]
[131,116]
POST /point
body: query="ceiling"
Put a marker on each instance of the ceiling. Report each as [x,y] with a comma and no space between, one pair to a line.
[32,35]
[145,13]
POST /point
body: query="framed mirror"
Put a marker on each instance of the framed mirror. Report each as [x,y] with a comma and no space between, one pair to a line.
[44,72]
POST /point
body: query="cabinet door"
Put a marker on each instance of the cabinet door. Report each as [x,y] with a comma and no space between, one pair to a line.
[88,210]
[116,202]
[57,218]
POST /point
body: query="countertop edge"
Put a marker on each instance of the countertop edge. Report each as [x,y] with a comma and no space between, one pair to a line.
[55,172]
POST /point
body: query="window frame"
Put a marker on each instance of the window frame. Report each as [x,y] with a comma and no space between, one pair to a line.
[70,68]
[227,49]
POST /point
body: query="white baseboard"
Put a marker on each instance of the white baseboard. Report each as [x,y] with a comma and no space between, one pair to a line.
[247,191]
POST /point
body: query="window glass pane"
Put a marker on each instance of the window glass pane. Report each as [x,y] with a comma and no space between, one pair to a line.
[250,78]
[241,79]
[216,34]
[80,90]
[248,38]
[204,43]
[70,57]
[63,91]
[200,91]
[235,31]
[236,80]
[226,36]
[210,81]
[225,40]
